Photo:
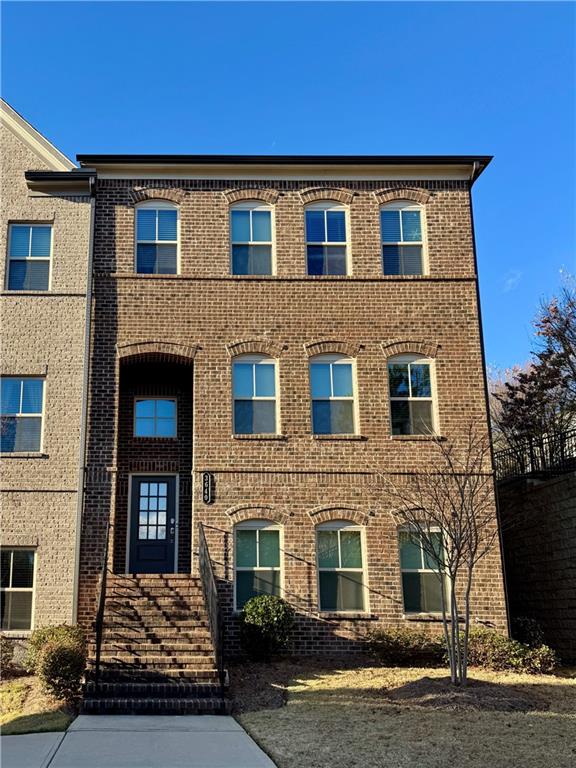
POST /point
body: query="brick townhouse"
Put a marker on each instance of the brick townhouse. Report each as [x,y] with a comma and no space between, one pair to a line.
[46,210]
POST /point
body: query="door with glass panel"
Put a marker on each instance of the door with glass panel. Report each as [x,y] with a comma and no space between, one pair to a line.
[153,525]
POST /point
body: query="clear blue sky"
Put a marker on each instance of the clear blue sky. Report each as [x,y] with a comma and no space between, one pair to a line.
[374,78]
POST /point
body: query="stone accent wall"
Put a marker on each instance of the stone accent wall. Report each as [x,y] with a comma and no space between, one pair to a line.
[43,335]
[295,478]
[539,538]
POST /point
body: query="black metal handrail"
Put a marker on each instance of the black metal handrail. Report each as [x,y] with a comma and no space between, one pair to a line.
[99,623]
[210,590]
[546,455]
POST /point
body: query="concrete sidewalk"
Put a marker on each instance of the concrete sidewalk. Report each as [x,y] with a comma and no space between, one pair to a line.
[139,741]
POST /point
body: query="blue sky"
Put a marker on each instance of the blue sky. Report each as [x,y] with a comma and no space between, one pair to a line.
[357,78]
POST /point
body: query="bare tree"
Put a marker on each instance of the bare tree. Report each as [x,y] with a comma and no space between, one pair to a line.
[448,509]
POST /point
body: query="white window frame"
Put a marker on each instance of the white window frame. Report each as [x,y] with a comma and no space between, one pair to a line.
[157,205]
[254,205]
[406,205]
[330,205]
[335,359]
[259,525]
[138,398]
[21,415]
[421,360]
[32,589]
[11,258]
[409,529]
[339,526]
[257,359]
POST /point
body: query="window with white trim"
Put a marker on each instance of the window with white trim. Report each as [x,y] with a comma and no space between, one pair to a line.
[16,588]
[157,228]
[155,417]
[326,241]
[332,390]
[257,561]
[411,395]
[421,575]
[21,408]
[402,239]
[341,582]
[254,392]
[251,238]
[29,254]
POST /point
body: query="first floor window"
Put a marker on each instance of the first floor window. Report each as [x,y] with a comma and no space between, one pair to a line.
[254,387]
[155,417]
[157,238]
[410,383]
[421,585]
[29,251]
[340,567]
[16,588]
[332,389]
[21,404]
[257,560]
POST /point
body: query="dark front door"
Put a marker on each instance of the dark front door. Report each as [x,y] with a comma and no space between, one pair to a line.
[153,524]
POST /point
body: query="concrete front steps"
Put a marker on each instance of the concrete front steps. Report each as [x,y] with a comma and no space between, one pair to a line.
[156,655]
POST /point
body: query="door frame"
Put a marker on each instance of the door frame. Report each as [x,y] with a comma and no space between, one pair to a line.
[131,476]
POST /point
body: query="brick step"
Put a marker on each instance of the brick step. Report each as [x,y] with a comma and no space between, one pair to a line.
[117,673]
[154,592]
[129,661]
[138,627]
[153,581]
[174,689]
[149,610]
[182,634]
[163,603]
[110,645]
[156,706]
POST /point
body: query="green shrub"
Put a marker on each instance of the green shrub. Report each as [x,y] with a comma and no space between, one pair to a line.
[72,634]
[490,649]
[60,666]
[265,625]
[402,646]
[528,631]
[6,653]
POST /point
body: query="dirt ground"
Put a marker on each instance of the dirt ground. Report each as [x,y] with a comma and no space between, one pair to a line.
[313,714]
[26,709]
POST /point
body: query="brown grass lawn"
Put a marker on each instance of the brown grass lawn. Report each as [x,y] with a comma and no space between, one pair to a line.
[26,709]
[378,717]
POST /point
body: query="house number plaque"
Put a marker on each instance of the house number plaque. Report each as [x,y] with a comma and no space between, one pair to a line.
[207,487]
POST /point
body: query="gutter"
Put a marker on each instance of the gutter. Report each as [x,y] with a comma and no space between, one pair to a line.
[84,416]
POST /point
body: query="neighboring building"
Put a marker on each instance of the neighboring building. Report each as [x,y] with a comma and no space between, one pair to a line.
[45,247]
[294,327]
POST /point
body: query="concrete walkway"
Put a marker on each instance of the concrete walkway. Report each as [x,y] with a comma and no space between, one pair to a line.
[139,741]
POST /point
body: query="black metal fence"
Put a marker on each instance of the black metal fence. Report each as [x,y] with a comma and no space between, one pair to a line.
[210,591]
[545,456]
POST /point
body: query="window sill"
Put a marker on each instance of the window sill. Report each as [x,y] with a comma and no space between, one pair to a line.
[347,616]
[339,437]
[433,618]
[17,634]
[23,455]
[26,292]
[156,439]
[259,436]
[417,437]
[146,275]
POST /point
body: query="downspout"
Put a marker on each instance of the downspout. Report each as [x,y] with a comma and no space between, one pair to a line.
[84,416]
[473,177]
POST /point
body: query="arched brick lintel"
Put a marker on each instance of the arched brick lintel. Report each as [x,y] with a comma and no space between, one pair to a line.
[242,512]
[326,514]
[319,194]
[426,347]
[255,346]
[332,346]
[162,350]
[421,196]
[237,195]
[171,194]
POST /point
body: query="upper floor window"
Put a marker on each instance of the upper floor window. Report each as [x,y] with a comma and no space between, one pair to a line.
[340,566]
[29,252]
[251,229]
[16,588]
[21,405]
[257,563]
[332,389]
[421,585]
[254,388]
[411,401]
[157,238]
[326,242]
[402,239]
[155,417]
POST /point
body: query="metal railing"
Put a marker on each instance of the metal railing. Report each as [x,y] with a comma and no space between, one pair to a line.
[213,609]
[545,456]
[99,623]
